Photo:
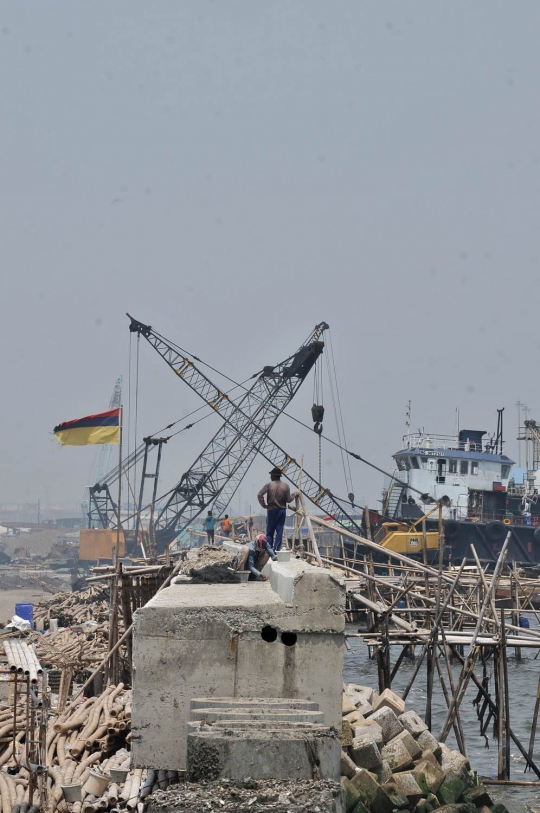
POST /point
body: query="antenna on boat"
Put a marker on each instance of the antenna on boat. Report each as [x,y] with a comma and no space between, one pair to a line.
[499,437]
[408,418]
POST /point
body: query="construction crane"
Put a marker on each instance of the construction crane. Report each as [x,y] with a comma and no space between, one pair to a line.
[103,462]
[217,472]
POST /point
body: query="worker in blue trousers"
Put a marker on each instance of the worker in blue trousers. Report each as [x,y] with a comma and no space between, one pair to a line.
[277,494]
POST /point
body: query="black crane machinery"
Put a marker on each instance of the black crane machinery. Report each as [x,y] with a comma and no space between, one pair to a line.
[217,472]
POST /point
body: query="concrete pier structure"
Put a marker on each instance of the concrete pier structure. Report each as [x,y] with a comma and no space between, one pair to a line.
[277,639]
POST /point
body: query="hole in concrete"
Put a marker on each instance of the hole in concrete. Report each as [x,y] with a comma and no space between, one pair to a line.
[269,634]
[288,638]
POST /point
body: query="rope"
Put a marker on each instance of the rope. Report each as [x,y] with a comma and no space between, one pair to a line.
[334,391]
[136,412]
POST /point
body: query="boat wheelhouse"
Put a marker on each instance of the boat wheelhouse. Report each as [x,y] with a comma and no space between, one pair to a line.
[468,475]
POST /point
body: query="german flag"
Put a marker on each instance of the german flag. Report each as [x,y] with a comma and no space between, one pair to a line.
[103,428]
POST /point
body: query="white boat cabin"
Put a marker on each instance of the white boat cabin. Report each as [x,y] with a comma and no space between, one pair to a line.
[464,473]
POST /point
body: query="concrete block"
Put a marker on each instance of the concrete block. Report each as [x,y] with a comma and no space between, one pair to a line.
[429,756]
[406,783]
[388,721]
[354,717]
[391,700]
[366,782]
[353,796]
[369,722]
[271,703]
[347,705]
[366,754]
[359,700]
[346,734]
[451,788]
[184,636]
[478,796]
[369,734]
[366,691]
[397,756]
[427,742]
[398,799]
[384,773]
[346,766]
[455,761]
[375,798]
[214,754]
[412,722]
[410,744]
[263,714]
[428,775]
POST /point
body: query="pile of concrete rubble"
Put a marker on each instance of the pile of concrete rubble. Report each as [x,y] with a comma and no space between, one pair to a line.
[390,761]
[250,796]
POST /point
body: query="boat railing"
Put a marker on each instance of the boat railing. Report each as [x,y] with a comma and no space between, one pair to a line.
[425,440]
[501,516]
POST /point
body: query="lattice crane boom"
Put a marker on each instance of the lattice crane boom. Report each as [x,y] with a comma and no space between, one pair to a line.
[225,460]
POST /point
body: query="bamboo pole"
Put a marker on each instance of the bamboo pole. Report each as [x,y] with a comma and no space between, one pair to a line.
[471,656]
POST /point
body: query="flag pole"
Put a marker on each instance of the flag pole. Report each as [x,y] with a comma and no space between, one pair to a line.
[118,513]
[113,631]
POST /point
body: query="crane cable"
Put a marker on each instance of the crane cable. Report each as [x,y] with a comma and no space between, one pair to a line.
[338,415]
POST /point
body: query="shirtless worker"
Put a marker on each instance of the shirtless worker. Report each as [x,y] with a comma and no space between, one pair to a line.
[278,494]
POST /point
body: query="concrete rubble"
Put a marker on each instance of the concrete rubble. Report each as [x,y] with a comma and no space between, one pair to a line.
[391,762]
[249,796]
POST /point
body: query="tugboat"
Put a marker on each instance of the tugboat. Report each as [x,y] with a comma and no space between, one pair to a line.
[470,477]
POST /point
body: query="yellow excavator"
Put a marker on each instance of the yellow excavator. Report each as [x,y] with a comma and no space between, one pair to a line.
[402,537]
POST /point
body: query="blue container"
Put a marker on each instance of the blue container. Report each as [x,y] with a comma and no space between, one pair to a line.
[524,622]
[25,611]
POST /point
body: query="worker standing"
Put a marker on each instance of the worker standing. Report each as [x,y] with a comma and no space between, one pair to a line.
[226,526]
[278,494]
[209,527]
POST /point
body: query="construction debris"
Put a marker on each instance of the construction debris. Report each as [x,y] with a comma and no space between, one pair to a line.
[211,565]
[249,796]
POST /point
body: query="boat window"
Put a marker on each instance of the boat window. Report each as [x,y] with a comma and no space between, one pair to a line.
[400,463]
[424,462]
[452,466]
[474,467]
[464,467]
[505,471]
[415,463]
[407,464]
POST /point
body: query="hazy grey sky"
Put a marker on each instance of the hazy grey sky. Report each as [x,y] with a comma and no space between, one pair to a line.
[233,172]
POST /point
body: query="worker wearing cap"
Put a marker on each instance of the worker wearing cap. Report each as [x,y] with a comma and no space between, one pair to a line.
[253,556]
[278,494]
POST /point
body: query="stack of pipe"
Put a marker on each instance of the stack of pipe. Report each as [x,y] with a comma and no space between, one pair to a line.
[75,607]
[91,734]
[22,659]
[76,645]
